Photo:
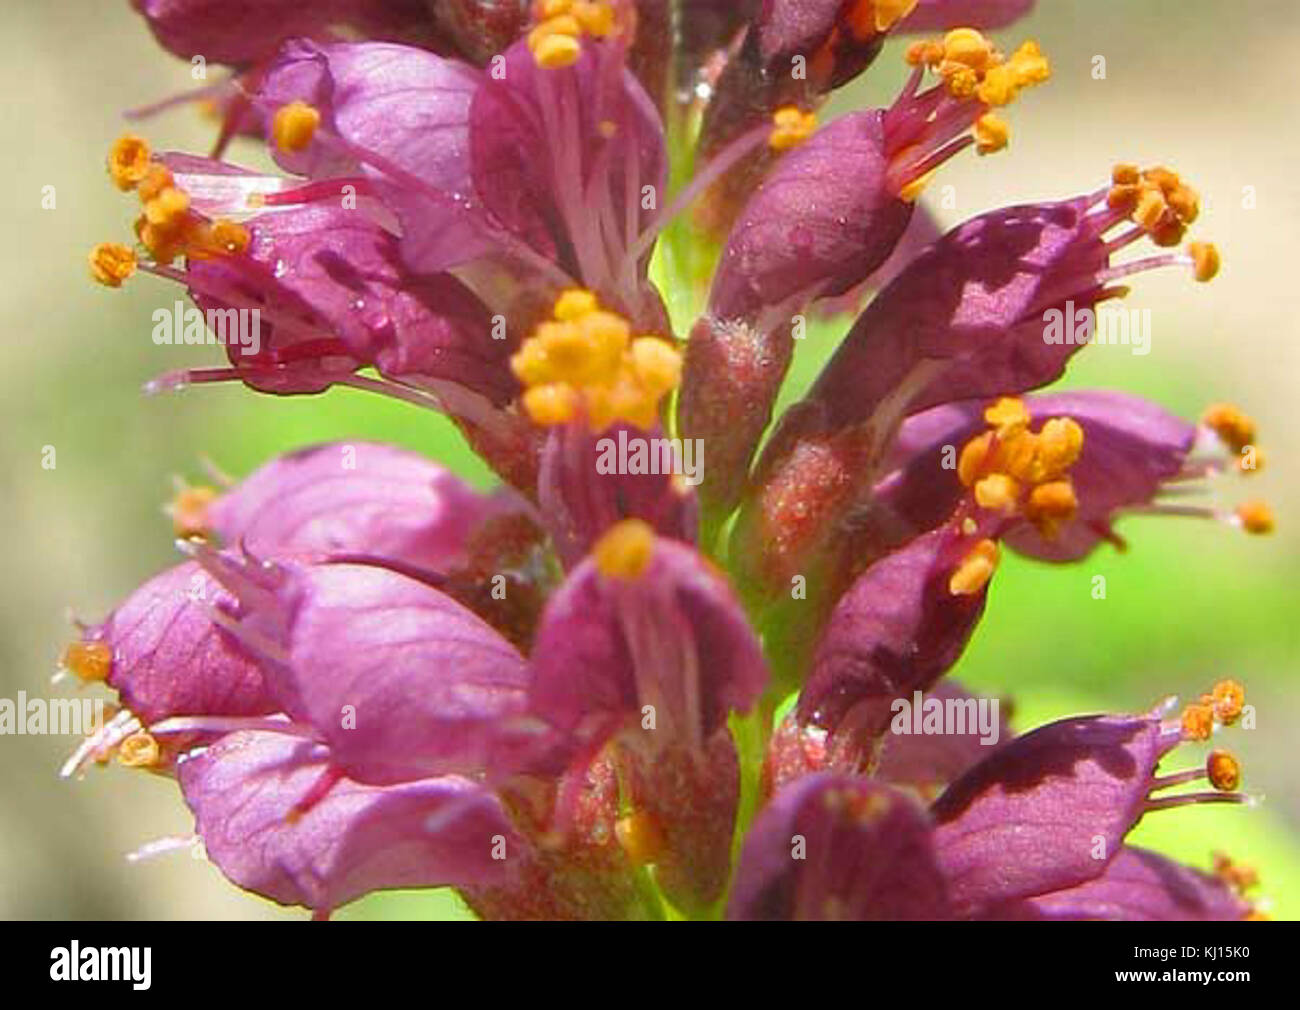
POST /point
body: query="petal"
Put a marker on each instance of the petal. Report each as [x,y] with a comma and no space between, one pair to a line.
[170,658]
[1048,811]
[818,226]
[251,796]
[1139,886]
[836,847]
[354,498]
[582,491]
[897,630]
[672,637]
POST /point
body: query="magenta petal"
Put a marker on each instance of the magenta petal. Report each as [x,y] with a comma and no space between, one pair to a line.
[674,638]
[398,679]
[354,498]
[170,658]
[252,793]
[836,847]
[1048,811]
[561,158]
[1138,886]
[580,498]
[819,225]
[897,630]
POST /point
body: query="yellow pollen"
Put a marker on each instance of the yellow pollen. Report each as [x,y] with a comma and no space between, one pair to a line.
[975,570]
[641,838]
[90,661]
[997,491]
[1060,441]
[791,126]
[168,209]
[1235,428]
[991,133]
[1160,203]
[128,161]
[1238,876]
[1051,504]
[972,68]
[228,238]
[1197,722]
[910,192]
[155,180]
[1223,770]
[1007,415]
[625,550]
[554,52]
[586,357]
[1256,517]
[294,126]
[556,41]
[973,455]
[111,263]
[1228,698]
[1205,260]
[189,511]
[139,750]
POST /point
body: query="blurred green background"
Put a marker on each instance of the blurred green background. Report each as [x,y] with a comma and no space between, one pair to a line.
[1202,86]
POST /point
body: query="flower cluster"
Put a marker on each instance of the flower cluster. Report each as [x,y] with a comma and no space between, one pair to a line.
[366,674]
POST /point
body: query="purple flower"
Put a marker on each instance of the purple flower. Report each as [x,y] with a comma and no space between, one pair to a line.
[560,697]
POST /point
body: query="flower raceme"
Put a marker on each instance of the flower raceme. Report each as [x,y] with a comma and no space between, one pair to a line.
[558,697]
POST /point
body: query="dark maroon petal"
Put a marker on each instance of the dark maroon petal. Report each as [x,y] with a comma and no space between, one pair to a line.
[481,28]
[897,630]
[940,15]
[866,855]
[580,497]
[818,226]
[673,637]
[1048,811]
[170,658]
[354,498]
[252,796]
[1138,886]
[929,761]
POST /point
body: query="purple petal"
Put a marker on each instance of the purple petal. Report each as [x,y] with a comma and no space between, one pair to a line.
[252,792]
[818,226]
[836,847]
[1048,811]
[580,498]
[897,630]
[170,658]
[674,637]
[1138,886]
[354,498]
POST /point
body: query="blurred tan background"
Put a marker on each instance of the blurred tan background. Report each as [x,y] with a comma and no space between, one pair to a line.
[1205,87]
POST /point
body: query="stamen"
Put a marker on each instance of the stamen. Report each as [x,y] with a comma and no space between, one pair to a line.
[188,511]
[641,838]
[1255,517]
[556,40]
[790,128]
[1234,427]
[585,361]
[139,750]
[294,125]
[975,570]
[111,263]
[90,661]
[1205,260]
[625,550]
[128,161]
[1223,770]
